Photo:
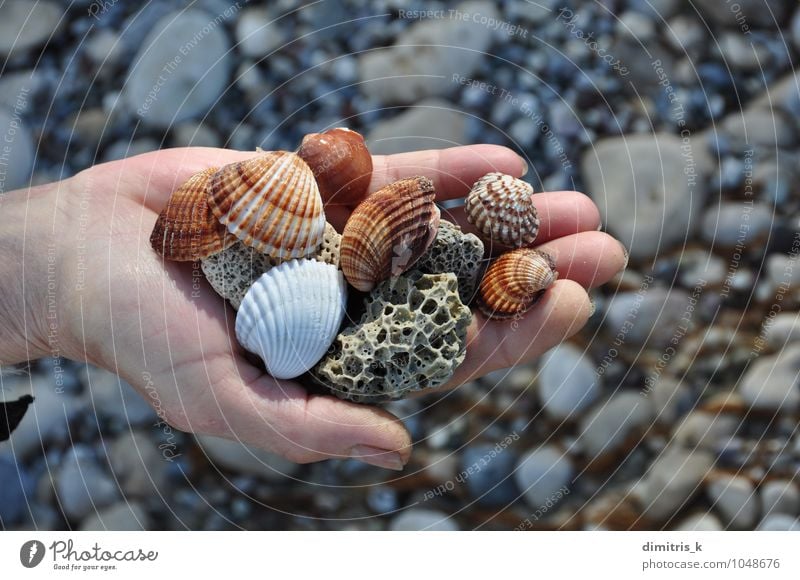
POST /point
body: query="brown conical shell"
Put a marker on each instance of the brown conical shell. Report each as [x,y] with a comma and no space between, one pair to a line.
[515,281]
[186,230]
[341,163]
[388,232]
[270,203]
[501,208]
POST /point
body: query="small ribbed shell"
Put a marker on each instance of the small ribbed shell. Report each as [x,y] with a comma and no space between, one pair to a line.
[341,163]
[388,232]
[501,208]
[186,230]
[291,315]
[271,203]
[515,281]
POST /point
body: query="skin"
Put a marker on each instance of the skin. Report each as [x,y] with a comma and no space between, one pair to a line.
[81,281]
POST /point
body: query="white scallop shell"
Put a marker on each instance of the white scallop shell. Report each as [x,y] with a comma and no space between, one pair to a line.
[291,315]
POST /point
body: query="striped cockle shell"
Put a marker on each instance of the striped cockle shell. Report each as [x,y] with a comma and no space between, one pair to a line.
[341,163]
[291,315]
[388,232]
[271,203]
[187,230]
[501,208]
[515,281]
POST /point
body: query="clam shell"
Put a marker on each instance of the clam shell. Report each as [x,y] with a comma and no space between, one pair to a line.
[501,208]
[271,203]
[186,230]
[341,163]
[291,315]
[388,232]
[515,281]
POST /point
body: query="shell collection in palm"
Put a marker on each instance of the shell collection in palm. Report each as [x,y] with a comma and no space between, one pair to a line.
[259,228]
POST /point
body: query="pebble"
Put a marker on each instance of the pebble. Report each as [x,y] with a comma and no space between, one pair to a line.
[491,482]
[419,519]
[703,430]
[245,459]
[121,517]
[770,383]
[124,149]
[672,480]
[105,49]
[633,181]
[779,523]
[190,134]
[636,25]
[649,317]
[430,124]
[533,12]
[27,25]
[734,499]
[543,475]
[112,398]
[782,271]
[758,127]
[796,29]
[257,35]
[15,484]
[741,53]
[686,34]
[752,13]
[609,424]
[139,467]
[568,381]
[193,84]
[18,149]
[780,496]
[702,522]
[17,89]
[82,485]
[780,330]
[413,68]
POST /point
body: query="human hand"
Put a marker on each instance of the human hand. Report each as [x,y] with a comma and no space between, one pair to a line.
[117,304]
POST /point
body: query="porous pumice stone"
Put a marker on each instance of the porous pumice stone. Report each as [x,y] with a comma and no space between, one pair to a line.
[328,251]
[412,337]
[456,252]
[234,270]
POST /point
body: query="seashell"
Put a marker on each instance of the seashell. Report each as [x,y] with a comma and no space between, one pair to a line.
[501,208]
[186,230]
[271,203]
[291,315]
[388,232]
[515,281]
[341,163]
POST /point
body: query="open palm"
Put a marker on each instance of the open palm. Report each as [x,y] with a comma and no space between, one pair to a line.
[163,329]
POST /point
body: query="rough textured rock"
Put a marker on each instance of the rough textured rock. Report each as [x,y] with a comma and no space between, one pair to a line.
[411,338]
[649,189]
[233,271]
[193,47]
[430,124]
[328,252]
[456,252]
[422,62]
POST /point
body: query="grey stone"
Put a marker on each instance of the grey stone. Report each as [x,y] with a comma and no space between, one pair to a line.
[17,153]
[26,25]
[610,423]
[139,467]
[82,485]
[190,134]
[533,11]
[751,13]
[781,330]
[14,481]
[110,397]
[779,523]
[702,522]
[704,430]
[256,33]
[568,382]
[735,500]
[105,49]
[770,383]
[17,88]
[740,53]
[423,61]
[431,124]
[419,519]
[647,318]
[645,196]
[193,84]
[780,496]
[124,149]
[543,474]
[758,127]
[121,517]
[245,459]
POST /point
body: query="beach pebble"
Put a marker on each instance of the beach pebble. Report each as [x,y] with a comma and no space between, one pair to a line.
[140,468]
[702,522]
[610,423]
[780,496]
[543,475]
[491,482]
[26,25]
[735,500]
[781,329]
[419,519]
[704,430]
[730,224]
[651,316]
[672,480]
[110,397]
[430,124]
[14,490]
[770,382]
[245,459]
[82,485]
[257,34]
[193,84]
[568,381]
[779,523]
[633,179]
[18,149]
[121,517]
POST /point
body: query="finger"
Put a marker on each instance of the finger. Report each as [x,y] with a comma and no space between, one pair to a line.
[588,258]
[499,344]
[453,170]
[561,213]
[284,418]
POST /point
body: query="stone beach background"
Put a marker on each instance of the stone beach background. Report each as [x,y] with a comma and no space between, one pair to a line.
[677,407]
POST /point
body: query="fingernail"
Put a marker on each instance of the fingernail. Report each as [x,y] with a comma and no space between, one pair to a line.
[625,254]
[592,306]
[524,167]
[377,457]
